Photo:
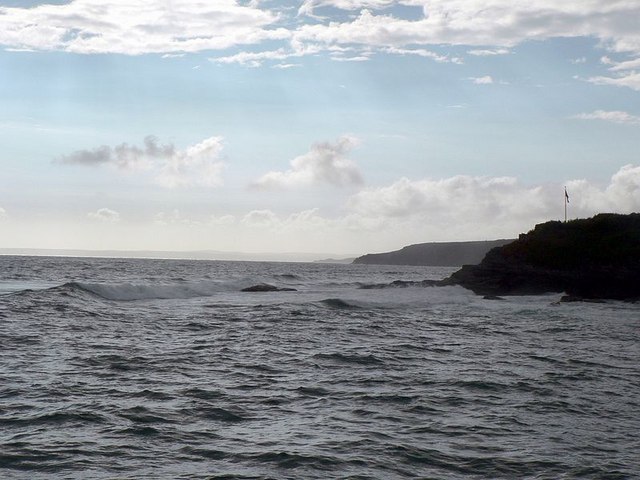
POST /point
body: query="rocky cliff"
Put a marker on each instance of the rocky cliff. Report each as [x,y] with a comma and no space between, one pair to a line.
[590,258]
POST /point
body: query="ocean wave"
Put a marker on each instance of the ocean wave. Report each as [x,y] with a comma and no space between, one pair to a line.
[141,431]
[124,291]
[220,414]
[353,358]
[338,303]
[313,391]
[287,276]
[141,415]
[292,460]
[131,291]
[207,453]
[54,418]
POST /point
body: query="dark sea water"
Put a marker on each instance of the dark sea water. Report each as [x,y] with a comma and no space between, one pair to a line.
[162,369]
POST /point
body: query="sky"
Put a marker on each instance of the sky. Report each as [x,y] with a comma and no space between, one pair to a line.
[332,126]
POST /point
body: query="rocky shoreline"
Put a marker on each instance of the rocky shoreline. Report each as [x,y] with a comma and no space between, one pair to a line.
[595,258]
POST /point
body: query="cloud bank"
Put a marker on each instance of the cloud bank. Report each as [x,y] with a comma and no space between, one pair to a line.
[501,23]
[133,28]
[197,165]
[413,211]
[488,207]
[325,163]
[153,26]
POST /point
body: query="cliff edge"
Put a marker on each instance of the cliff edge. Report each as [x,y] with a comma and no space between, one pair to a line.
[594,258]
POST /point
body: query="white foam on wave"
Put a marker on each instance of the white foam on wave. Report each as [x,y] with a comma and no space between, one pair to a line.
[15,286]
[405,298]
[132,291]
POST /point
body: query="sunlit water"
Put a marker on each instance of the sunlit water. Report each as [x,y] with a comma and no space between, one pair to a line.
[119,368]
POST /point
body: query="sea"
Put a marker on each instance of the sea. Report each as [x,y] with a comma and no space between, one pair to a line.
[114,368]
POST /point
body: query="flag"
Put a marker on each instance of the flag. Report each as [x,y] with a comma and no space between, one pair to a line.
[566,195]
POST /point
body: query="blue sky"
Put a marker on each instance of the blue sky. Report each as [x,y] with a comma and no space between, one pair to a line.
[331,126]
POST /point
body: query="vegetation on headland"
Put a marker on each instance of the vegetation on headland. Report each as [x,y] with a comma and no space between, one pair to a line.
[592,258]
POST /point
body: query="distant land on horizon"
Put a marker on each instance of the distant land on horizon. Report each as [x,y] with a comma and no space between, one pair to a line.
[180,255]
[435,254]
[336,260]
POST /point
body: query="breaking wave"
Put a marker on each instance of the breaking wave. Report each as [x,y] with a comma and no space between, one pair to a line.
[338,303]
[131,291]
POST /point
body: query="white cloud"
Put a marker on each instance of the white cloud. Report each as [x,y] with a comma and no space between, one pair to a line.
[3,213]
[222,220]
[337,53]
[285,66]
[421,52]
[295,50]
[197,165]
[264,219]
[260,219]
[105,215]
[623,73]
[308,6]
[303,221]
[614,116]
[626,65]
[168,218]
[324,163]
[358,58]
[497,23]
[489,52]
[170,28]
[254,59]
[478,197]
[621,195]
[630,80]
[132,28]
[175,217]
[486,80]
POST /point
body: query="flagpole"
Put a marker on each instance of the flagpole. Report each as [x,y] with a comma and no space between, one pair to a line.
[565,204]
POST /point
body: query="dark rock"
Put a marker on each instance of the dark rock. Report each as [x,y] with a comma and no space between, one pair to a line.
[573,298]
[570,299]
[265,287]
[492,297]
[401,284]
[595,258]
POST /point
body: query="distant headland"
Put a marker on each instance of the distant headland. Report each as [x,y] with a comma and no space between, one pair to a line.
[434,254]
[594,258]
